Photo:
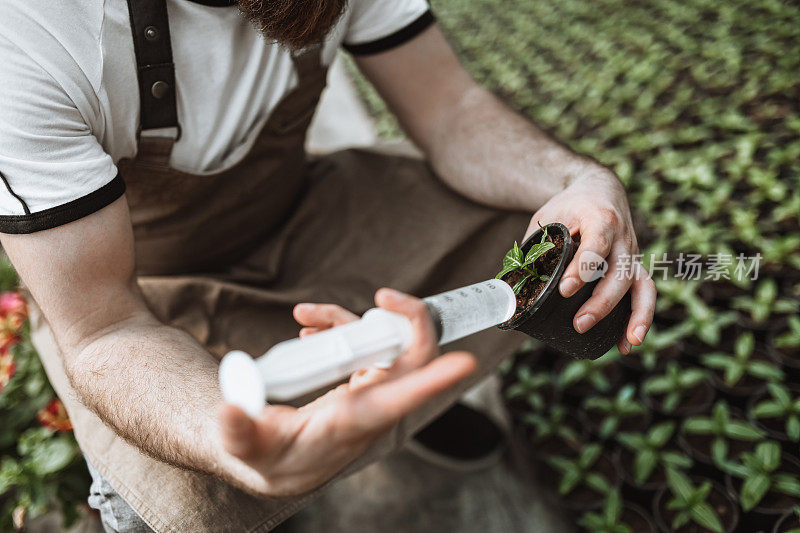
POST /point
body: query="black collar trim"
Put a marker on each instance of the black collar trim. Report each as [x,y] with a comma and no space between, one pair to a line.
[215,3]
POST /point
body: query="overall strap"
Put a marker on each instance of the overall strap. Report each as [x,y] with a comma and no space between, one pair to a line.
[156,74]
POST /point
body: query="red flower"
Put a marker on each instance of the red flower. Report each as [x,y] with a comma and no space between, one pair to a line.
[54,416]
[7,369]
[13,313]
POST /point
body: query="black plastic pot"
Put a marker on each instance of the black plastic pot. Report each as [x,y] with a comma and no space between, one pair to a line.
[637,519]
[787,522]
[719,499]
[788,358]
[549,317]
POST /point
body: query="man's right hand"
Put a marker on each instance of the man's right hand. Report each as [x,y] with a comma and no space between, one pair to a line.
[291,451]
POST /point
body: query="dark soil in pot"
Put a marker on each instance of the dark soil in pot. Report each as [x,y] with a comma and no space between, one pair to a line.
[788,522]
[725,507]
[544,314]
[775,427]
[694,401]
[671,316]
[637,519]
[719,293]
[788,358]
[774,503]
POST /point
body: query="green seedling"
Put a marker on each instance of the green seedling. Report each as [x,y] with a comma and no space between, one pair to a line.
[587,371]
[782,406]
[734,367]
[552,423]
[759,475]
[673,384]
[720,426]
[615,410]
[791,338]
[515,260]
[579,471]
[610,520]
[765,302]
[530,387]
[658,340]
[649,452]
[707,324]
[691,503]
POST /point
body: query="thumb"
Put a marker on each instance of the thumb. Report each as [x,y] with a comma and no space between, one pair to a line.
[238,431]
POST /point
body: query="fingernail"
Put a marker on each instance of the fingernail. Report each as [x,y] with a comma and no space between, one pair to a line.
[584,322]
[626,347]
[568,287]
[639,333]
[304,307]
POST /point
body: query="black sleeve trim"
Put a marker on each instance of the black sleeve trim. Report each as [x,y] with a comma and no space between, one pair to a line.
[399,37]
[63,214]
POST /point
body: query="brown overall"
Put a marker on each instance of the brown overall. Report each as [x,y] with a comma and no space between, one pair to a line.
[226,256]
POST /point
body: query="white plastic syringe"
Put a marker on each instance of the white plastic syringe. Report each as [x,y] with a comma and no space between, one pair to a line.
[302,365]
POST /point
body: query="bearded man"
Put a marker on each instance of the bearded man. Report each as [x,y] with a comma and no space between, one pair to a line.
[160,208]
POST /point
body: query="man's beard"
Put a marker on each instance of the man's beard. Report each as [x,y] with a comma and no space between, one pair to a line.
[295,23]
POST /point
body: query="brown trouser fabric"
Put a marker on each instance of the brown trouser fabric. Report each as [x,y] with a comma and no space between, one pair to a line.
[226,256]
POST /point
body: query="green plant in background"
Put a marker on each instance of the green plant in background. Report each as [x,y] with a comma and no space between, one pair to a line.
[691,503]
[721,427]
[591,371]
[516,261]
[530,387]
[760,475]
[781,406]
[708,324]
[735,367]
[579,471]
[616,409]
[649,452]
[610,520]
[673,384]
[552,423]
[658,340]
[791,338]
[765,302]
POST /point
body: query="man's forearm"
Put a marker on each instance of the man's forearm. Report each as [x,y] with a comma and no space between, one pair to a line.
[491,154]
[157,388]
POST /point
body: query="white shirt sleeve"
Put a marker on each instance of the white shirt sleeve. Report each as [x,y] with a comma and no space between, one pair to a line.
[378,25]
[53,168]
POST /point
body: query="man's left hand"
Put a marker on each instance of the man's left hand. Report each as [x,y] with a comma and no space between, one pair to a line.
[594,205]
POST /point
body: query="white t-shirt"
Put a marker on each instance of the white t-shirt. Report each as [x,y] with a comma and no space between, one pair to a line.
[69,97]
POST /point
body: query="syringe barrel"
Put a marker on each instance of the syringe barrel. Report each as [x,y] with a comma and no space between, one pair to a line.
[471,309]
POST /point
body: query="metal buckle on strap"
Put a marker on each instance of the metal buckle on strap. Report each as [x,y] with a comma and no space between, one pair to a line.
[173,132]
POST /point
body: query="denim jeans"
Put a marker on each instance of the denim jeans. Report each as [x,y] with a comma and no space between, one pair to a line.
[117,516]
